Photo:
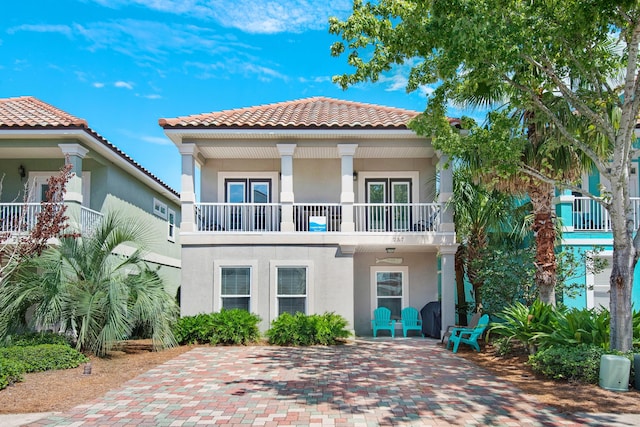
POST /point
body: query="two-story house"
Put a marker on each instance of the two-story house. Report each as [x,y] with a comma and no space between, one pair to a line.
[586,226]
[36,139]
[314,205]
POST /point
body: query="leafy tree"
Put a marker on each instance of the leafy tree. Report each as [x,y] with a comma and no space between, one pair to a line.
[556,58]
[477,213]
[81,287]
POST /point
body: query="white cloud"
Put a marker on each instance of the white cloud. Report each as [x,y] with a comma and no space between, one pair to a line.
[60,29]
[150,96]
[251,16]
[98,85]
[124,85]
[157,140]
[233,67]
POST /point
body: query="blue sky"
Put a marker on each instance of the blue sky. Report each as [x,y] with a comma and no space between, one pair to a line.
[123,64]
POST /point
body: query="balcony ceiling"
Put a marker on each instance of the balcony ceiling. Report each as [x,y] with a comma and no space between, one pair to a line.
[271,152]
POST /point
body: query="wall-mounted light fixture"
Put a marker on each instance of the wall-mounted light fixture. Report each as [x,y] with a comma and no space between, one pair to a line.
[22,172]
[355,175]
[390,250]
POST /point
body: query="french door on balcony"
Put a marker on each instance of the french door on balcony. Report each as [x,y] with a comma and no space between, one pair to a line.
[251,217]
[389,199]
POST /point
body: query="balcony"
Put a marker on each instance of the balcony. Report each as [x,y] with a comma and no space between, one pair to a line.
[22,217]
[317,217]
[589,215]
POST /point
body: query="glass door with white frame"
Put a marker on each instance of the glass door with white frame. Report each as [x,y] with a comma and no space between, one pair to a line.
[389,290]
[388,201]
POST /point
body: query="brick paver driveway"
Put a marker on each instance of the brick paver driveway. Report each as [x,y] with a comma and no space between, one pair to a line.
[371,382]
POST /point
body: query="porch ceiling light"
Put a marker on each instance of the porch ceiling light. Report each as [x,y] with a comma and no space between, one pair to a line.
[390,250]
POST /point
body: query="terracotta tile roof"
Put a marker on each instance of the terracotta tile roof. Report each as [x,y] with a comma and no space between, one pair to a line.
[29,113]
[311,113]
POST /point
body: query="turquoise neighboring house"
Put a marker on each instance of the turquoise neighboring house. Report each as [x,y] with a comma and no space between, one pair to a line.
[586,226]
[36,139]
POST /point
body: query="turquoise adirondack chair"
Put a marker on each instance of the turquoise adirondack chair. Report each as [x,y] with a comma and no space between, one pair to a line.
[410,321]
[468,336]
[382,320]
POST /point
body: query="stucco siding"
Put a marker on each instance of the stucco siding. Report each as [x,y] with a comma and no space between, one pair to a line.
[329,286]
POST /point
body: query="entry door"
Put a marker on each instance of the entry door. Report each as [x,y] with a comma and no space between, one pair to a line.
[253,193]
[390,199]
[389,288]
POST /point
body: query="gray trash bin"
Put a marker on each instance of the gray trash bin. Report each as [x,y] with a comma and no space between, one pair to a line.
[614,372]
[636,370]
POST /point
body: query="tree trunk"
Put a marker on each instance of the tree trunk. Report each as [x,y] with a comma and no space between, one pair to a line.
[459,267]
[476,243]
[541,195]
[623,265]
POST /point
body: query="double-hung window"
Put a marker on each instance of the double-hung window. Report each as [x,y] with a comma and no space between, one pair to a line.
[291,290]
[235,288]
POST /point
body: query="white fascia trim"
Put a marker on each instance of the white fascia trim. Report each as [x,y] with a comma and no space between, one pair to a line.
[587,242]
[100,148]
[153,257]
[178,135]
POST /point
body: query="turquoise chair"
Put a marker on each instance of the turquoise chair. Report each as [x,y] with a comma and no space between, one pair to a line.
[382,320]
[410,321]
[468,336]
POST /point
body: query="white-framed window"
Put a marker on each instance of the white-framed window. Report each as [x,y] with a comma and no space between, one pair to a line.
[159,208]
[235,285]
[171,225]
[235,288]
[598,285]
[292,287]
[390,288]
[291,290]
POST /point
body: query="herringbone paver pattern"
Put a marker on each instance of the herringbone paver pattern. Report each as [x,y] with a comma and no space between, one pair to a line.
[383,382]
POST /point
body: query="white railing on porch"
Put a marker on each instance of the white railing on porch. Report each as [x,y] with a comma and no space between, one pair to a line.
[235,217]
[89,220]
[396,217]
[317,217]
[22,217]
[18,217]
[589,215]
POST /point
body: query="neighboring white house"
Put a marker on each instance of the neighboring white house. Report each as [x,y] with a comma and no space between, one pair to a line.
[35,141]
[315,205]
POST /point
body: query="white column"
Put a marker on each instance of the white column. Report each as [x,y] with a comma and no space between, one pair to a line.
[447,286]
[445,194]
[286,186]
[347,196]
[74,153]
[187,191]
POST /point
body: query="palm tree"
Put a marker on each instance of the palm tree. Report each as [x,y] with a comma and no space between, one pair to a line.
[478,212]
[81,287]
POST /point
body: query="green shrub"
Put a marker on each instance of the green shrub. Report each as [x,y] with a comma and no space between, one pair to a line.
[44,357]
[10,372]
[226,327]
[37,338]
[524,323]
[569,362]
[303,330]
[234,327]
[193,329]
[586,326]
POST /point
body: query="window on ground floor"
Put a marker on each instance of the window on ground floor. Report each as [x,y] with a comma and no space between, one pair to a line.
[235,288]
[291,290]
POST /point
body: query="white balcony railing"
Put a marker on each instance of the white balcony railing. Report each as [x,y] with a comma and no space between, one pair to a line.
[236,217]
[22,217]
[318,217]
[396,217]
[589,215]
